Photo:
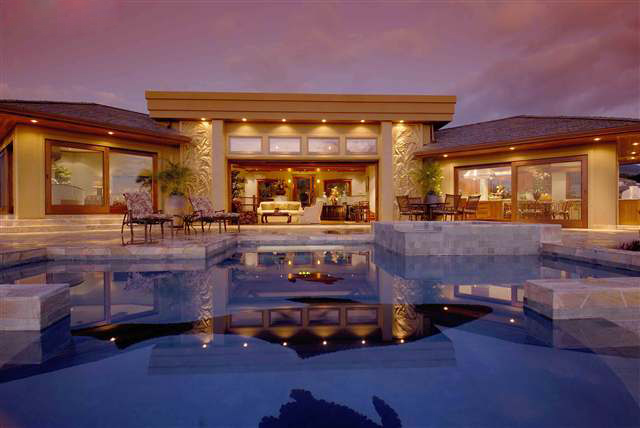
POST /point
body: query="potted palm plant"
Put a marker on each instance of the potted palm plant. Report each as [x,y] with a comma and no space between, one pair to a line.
[174,181]
[429,178]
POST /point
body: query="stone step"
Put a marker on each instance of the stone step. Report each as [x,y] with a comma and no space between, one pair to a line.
[63,220]
[61,228]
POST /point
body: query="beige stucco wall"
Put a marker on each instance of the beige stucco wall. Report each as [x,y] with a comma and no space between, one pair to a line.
[602,167]
[29,163]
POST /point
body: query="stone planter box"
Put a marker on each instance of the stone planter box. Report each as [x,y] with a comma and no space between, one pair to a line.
[437,238]
[33,307]
[610,298]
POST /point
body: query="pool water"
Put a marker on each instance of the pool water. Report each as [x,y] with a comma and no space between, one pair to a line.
[319,337]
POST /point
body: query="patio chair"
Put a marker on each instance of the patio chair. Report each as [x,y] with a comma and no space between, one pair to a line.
[312,213]
[470,207]
[560,210]
[361,211]
[405,208]
[204,213]
[140,211]
[449,207]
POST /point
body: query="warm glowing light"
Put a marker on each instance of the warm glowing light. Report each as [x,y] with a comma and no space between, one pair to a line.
[633,153]
[512,320]
[110,132]
[512,148]
[361,120]
[289,181]
[244,119]
[317,262]
[289,169]
[204,346]
[446,308]
[363,342]
[284,343]
[324,120]
[401,121]
[324,343]
[597,139]
[34,121]
[635,144]
[318,169]
[203,119]
[284,120]
[113,339]
[245,344]
[317,180]
[633,157]
[401,340]
[445,156]
[289,262]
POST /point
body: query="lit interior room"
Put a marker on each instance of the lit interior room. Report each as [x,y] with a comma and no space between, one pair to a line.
[303,192]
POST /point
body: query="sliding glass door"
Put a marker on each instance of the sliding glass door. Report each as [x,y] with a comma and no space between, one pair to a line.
[86,179]
[552,191]
[6,180]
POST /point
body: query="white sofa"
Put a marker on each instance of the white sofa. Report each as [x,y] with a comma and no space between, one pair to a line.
[294,208]
[312,214]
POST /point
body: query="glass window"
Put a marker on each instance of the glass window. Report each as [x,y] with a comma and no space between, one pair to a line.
[284,144]
[324,145]
[491,183]
[361,145]
[128,172]
[6,177]
[76,176]
[629,181]
[550,192]
[245,144]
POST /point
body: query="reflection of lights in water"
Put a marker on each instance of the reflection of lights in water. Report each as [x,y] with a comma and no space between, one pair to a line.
[401,340]
[364,342]
[245,344]
[284,343]
[324,342]
[113,339]
[446,308]
[512,320]
[204,345]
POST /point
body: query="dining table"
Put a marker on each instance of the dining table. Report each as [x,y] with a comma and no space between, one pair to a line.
[426,208]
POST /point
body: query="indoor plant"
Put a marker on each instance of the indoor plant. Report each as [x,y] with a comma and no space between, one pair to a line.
[429,178]
[174,181]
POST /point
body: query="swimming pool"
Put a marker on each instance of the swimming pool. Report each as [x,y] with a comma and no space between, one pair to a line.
[341,336]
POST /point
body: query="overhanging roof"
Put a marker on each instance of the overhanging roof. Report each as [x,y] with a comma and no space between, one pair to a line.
[256,106]
[527,132]
[89,118]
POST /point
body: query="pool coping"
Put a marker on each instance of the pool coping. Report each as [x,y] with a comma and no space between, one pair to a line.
[601,256]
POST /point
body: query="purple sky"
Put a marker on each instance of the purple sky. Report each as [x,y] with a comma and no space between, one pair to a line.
[500,59]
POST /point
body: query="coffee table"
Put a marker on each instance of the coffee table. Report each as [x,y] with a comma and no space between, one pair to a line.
[265,216]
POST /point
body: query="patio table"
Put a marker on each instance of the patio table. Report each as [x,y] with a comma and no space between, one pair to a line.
[426,208]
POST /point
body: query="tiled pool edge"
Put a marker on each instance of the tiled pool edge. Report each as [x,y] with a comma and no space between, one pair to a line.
[595,255]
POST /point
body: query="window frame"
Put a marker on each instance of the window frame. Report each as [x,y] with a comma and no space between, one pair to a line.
[105,208]
[8,152]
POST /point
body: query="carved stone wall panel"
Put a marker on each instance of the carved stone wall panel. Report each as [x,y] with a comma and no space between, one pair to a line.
[198,155]
[406,140]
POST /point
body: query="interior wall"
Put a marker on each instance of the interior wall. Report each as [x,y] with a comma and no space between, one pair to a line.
[602,167]
[29,163]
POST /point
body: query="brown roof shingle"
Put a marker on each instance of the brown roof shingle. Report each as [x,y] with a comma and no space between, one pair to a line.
[98,114]
[517,128]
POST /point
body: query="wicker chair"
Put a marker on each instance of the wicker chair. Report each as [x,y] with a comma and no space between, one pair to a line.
[449,207]
[140,211]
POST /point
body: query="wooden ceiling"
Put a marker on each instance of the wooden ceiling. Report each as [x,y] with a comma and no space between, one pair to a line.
[300,167]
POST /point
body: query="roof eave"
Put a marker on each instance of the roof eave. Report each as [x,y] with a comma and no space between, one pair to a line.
[567,138]
[177,139]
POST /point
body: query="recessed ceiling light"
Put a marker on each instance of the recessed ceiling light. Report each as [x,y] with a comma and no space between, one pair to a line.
[110,132]
[445,156]
[633,157]
[633,153]
[324,120]
[361,120]
[635,144]
[34,121]
[203,119]
[401,121]
[597,139]
[512,148]
[318,169]
[284,120]
[244,119]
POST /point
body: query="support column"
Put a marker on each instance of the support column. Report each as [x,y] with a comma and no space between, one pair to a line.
[385,179]
[219,174]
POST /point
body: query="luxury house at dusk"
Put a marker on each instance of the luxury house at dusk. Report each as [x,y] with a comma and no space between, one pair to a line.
[78,158]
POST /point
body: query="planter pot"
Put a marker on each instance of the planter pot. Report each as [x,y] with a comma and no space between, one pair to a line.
[175,205]
[433,199]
